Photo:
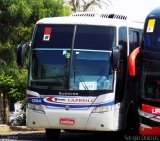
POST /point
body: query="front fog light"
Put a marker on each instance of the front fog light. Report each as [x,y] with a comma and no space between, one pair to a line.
[36,107]
[102,109]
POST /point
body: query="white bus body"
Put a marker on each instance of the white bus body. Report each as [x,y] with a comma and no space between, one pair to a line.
[93,103]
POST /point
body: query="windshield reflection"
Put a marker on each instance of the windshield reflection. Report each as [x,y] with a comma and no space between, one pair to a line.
[68,62]
[48,70]
[89,69]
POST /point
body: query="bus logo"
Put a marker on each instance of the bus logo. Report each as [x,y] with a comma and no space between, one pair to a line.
[156,111]
[47,33]
[67,107]
[151,109]
[150,26]
[69,100]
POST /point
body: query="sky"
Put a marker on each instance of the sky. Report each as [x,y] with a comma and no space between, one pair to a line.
[135,9]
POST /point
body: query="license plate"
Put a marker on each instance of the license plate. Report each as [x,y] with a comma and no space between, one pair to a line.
[67,121]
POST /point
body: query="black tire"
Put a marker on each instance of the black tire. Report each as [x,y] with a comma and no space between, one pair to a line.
[132,122]
[114,135]
[52,134]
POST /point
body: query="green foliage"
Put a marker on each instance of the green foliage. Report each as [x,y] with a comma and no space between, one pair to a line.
[12,87]
[18,18]
[23,14]
[12,80]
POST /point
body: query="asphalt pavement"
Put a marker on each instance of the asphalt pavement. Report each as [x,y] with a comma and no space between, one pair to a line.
[9,133]
[22,133]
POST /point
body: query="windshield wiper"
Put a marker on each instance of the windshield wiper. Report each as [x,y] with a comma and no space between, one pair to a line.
[77,73]
[80,78]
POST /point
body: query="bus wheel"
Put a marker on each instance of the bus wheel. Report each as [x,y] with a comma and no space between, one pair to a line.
[133,122]
[52,133]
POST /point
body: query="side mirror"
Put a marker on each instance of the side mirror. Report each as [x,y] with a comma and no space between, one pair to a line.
[132,61]
[115,57]
[21,54]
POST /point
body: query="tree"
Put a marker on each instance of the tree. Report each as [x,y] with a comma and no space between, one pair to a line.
[19,16]
[88,5]
[17,20]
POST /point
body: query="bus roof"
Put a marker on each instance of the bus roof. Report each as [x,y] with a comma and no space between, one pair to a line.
[91,18]
[155,13]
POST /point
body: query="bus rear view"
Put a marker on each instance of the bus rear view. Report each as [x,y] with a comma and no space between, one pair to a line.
[77,73]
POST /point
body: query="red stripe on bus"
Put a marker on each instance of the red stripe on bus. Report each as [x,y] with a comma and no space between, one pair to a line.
[47,31]
[150,131]
[151,109]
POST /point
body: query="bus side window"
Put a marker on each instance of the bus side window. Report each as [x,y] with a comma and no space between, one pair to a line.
[135,37]
[123,41]
[152,88]
[133,40]
[157,92]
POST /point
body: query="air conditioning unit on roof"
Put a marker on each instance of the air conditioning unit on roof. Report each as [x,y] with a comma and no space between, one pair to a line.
[102,15]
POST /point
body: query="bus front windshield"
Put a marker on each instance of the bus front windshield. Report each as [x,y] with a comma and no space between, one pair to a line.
[67,58]
[151,80]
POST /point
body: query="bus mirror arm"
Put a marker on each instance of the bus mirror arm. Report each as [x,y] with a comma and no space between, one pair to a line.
[115,57]
[132,61]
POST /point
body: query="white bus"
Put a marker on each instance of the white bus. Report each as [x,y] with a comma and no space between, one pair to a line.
[78,77]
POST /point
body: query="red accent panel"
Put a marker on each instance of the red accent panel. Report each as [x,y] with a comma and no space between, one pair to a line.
[132,62]
[151,109]
[47,31]
[150,131]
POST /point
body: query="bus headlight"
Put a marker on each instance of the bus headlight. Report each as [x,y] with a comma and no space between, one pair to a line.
[36,107]
[102,109]
[145,114]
